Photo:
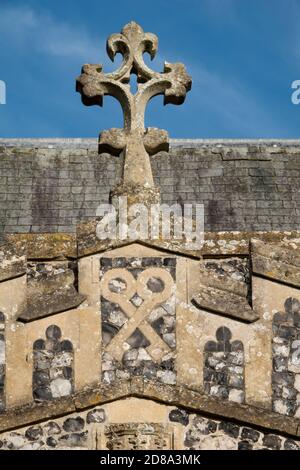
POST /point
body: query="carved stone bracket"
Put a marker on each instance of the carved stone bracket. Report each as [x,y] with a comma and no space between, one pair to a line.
[134,140]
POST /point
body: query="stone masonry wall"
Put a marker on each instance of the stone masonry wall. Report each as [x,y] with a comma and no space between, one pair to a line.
[93,429]
[223,373]
[286,359]
[49,186]
[211,434]
[52,366]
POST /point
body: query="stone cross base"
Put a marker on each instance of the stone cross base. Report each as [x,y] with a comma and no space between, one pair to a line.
[135,194]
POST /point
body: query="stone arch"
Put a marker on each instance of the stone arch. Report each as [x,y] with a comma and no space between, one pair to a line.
[53,371]
[286,359]
[223,372]
[2,361]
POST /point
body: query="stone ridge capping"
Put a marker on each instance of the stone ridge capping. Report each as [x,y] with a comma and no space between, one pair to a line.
[53,295]
[48,246]
[237,243]
[45,246]
[139,387]
[276,262]
[225,303]
[223,295]
[56,293]
[215,243]
[88,243]
[13,261]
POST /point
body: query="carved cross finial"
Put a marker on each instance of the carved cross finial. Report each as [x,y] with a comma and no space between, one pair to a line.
[136,141]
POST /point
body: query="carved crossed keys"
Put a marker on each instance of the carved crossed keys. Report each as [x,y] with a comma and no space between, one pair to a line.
[137,316]
[136,141]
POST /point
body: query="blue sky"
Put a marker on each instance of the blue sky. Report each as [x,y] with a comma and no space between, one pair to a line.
[243,56]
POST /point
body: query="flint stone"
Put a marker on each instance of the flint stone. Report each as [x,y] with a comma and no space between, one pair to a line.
[122,374]
[34,433]
[56,372]
[289,393]
[118,262]
[74,439]
[63,359]
[280,350]
[250,434]
[2,352]
[117,317]
[230,429]
[219,391]
[109,376]
[41,378]
[96,416]
[155,285]
[117,285]
[245,445]
[236,358]
[33,446]
[236,381]
[39,344]
[170,339]
[136,300]
[108,365]
[51,441]
[15,441]
[150,370]
[52,428]
[53,332]
[42,393]
[143,355]
[167,377]
[289,444]
[297,382]
[272,441]
[237,396]
[287,332]
[138,340]
[283,378]
[179,416]
[60,388]
[73,424]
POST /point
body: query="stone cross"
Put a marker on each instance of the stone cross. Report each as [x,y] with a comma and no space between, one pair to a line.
[134,140]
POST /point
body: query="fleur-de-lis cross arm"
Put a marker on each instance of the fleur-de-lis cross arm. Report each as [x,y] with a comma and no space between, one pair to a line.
[136,141]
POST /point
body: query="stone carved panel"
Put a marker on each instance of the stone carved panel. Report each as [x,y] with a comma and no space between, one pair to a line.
[286,359]
[2,362]
[138,317]
[223,373]
[52,366]
[138,436]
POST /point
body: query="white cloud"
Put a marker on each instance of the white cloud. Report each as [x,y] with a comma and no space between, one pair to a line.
[27,28]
